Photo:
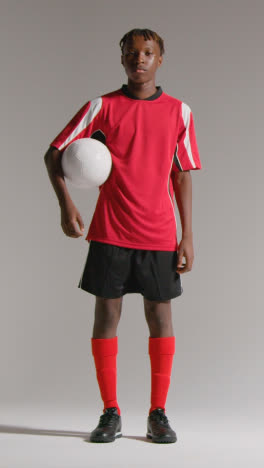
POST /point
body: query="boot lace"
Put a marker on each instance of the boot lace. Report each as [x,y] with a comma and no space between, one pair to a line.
[160,417]
[108,418]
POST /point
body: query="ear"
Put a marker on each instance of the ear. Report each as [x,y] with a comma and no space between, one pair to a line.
[160,60]
[122,60]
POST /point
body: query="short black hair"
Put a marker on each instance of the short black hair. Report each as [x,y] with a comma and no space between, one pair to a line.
[148,34]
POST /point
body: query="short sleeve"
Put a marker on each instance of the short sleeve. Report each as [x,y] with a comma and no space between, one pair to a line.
[82,125]
[186,155]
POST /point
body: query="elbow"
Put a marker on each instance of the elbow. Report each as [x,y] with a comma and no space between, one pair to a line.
[182,176]
[48,155]
[52,155]
[46,159]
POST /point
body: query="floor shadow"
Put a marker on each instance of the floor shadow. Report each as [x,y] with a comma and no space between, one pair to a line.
[53,432]
[34,431]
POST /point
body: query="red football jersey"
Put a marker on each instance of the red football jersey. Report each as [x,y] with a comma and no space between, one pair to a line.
[149,139]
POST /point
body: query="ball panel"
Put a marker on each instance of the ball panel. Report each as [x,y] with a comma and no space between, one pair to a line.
[86,163]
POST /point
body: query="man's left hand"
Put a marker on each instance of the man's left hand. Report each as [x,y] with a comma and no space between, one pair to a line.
[185,250]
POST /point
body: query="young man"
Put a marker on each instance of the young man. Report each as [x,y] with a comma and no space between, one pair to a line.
[132,235]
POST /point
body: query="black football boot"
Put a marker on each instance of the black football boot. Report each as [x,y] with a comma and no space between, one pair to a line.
[109,427]
[158,428]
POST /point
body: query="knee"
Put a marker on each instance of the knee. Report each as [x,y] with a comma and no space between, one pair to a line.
[107,312]
[110,319]
[158,317]
[157,321]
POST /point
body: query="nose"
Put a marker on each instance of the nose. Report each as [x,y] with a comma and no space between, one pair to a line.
[140,57]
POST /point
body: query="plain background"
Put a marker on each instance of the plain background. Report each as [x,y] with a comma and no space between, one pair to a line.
[55,56]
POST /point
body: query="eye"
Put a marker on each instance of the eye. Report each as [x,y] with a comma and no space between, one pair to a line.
[130,52]
[148,52]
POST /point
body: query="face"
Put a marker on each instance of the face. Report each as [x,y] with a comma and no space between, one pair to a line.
[141,59]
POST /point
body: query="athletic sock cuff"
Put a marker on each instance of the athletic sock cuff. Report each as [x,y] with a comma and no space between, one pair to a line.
[164,345]
[104,346]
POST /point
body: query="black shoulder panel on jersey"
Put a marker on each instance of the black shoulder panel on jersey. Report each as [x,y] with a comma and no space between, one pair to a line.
[176,160]
[99,135]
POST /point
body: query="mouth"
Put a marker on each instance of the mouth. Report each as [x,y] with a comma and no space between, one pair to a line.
[139,70]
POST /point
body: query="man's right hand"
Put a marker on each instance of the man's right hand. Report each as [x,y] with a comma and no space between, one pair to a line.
[71,220]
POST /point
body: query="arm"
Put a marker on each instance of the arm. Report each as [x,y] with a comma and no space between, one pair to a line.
[70,217]
[182,183]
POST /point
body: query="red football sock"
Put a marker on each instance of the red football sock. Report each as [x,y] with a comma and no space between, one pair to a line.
[161,351]
[105,351]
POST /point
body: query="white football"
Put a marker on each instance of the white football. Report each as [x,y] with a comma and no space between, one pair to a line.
[86,163]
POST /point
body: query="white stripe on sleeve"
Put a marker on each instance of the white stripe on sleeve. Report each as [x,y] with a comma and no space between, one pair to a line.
[94,109]
[186,112]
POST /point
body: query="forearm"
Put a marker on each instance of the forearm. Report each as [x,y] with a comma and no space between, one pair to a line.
[53,164]
[182,183]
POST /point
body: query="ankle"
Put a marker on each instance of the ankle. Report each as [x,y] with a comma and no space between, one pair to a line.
[115,405]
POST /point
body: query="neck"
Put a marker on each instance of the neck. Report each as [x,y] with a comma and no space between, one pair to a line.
[142,90]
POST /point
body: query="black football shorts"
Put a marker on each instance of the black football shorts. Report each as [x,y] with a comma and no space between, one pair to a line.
[111,271]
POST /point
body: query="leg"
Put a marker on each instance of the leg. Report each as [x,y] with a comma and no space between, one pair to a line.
[107,316]
[105,348]
[161,349]
[158,317]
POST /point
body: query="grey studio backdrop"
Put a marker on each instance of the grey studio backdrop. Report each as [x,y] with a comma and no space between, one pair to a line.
[56,55]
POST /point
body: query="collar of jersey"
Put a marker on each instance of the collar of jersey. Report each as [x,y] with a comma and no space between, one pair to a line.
[150,98]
